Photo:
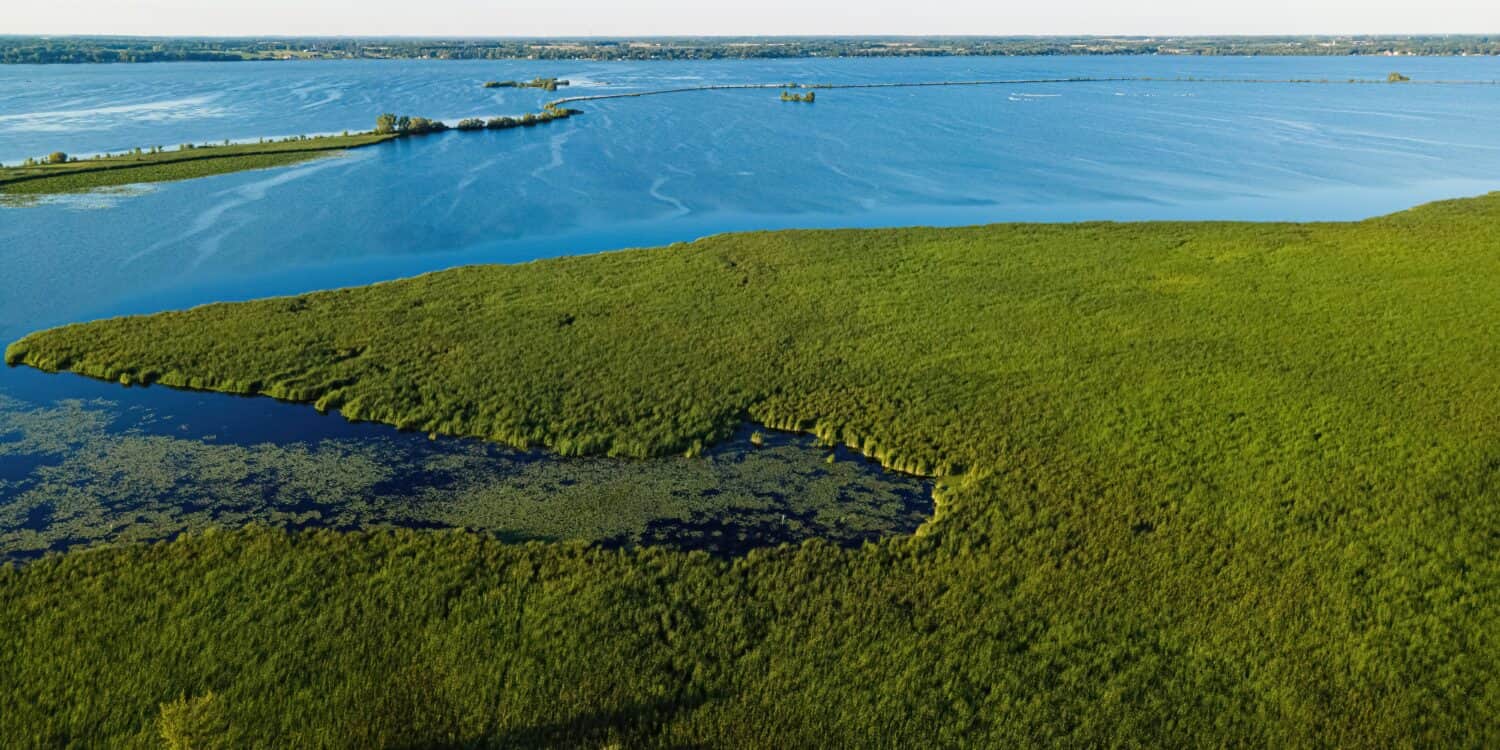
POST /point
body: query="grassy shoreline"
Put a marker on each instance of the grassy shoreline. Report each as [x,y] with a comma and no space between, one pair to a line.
[182,164]
[44,177]
[169,166]
[1208,483]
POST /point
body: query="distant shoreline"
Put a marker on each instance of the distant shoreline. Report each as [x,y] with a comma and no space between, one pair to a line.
[116,49]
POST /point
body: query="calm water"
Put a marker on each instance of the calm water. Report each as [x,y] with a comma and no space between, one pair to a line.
[647,171]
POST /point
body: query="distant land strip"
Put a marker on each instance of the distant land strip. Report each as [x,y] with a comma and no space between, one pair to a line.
[124,49]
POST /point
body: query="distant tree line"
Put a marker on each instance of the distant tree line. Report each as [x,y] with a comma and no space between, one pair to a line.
[131,49]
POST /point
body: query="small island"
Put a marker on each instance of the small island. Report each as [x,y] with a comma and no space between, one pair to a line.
[546,84]
[809,97]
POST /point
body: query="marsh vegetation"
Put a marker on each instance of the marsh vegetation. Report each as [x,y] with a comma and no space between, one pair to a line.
[1207,484]
[86,472]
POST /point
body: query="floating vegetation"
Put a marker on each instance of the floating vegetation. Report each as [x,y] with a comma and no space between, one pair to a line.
[71,476]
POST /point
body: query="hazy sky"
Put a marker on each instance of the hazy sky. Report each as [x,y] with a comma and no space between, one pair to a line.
[665,17]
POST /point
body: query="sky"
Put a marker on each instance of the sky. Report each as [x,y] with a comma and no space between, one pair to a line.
[761,17]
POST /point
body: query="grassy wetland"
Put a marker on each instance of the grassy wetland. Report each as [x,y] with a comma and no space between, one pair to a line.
[1206,484]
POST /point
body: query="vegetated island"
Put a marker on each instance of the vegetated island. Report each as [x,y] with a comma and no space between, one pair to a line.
[1208,484]
[546,84]
[808,97]
[59,173]
[104,49]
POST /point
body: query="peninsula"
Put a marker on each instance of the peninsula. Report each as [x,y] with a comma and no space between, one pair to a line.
[58,172]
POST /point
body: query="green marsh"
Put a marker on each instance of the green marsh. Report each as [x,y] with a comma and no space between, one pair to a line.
[1208,484]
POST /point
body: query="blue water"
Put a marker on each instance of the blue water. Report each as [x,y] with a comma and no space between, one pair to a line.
[647,171]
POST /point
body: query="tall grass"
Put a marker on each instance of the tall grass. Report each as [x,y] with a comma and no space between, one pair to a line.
[1210,484]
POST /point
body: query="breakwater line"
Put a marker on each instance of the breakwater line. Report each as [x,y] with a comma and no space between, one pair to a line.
[735,86]
[1014,82]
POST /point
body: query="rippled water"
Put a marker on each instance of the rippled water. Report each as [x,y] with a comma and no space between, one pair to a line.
[651,170]
[646,171]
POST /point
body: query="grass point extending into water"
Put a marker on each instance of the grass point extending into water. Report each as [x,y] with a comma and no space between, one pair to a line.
[165,166]
[57,173]
[1208,484]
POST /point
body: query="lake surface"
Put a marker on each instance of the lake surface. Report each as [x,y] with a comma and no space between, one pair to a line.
[633,172]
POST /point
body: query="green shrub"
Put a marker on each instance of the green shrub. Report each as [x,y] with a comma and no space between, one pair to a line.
[197,723]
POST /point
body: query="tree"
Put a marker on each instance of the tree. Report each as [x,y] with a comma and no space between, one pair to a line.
[420,125]
[385,123]
[57,157]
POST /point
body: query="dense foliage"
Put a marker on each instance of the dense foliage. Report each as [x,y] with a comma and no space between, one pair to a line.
[58,173]
[1211,484]
[391,124]
[140,49]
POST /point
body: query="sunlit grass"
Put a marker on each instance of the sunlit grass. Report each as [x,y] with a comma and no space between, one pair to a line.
[1209,484]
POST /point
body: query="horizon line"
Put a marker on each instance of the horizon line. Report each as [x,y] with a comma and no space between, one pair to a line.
[831,35]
